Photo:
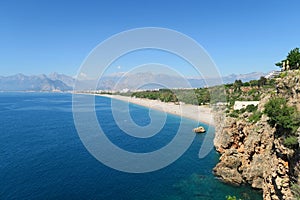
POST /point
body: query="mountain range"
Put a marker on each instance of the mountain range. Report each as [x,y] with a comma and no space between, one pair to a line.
[117,82]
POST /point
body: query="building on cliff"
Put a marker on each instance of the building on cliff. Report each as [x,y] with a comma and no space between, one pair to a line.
[243,104]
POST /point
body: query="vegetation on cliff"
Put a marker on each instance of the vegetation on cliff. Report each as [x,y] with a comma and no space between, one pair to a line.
[285,119]
[292,60]
[260,146]
[228,93]
[296,191]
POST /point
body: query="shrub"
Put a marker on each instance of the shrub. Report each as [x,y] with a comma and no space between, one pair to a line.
[291,142]
[293,57]
[235,113]
[242,110]
[251,108]
[255,117]
[296,191]
[281,115]
[285,119]
[283,74]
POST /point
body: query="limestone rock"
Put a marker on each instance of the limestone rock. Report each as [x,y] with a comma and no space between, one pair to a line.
[251,154]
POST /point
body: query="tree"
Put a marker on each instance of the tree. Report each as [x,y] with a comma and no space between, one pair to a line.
[237,85]
[292,60]
[262,81]
[253,83]
[282,116]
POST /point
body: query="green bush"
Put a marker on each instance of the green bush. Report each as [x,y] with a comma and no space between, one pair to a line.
[234,114]
[241,111]
[283,74]
[255,117]
[296,191]
[291,142]
[286,120]
[251,108]
[294,59]
[281,115]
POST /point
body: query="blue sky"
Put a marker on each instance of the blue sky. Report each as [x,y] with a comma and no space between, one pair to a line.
[45,36]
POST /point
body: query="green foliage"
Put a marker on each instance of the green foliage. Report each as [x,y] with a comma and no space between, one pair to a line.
[262,81]
[281,115]
[291,142]
[237,85]
[293,58]
[255,117]
[248,91]
[232,198]
[251,108]
[198,96]
[271,82]
[285,118]
[217,94]
[253,83]
[252,92]
[296,191]
[283,74]
[246,84]
[234,114]
[104,93]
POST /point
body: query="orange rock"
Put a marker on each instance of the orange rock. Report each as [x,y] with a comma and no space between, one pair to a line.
[286,164]
[241,149]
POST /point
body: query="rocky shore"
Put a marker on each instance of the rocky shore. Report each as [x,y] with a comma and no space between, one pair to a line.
[250,152]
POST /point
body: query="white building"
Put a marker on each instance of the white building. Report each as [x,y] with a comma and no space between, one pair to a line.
[272,74]
[243,104]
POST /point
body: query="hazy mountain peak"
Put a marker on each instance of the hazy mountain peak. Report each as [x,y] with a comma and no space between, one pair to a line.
[115,81]
[21,82]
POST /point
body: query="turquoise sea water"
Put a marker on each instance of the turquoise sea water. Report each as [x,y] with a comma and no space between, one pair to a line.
[42,157]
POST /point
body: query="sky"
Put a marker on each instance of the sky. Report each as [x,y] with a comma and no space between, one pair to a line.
[44,36]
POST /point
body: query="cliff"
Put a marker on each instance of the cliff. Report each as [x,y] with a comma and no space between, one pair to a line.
[252,154]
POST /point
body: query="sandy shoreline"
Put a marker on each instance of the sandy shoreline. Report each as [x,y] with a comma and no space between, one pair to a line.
[198,113]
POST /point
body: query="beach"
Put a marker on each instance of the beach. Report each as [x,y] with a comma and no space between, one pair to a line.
[198,113]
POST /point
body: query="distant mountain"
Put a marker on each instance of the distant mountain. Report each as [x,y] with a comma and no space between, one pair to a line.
[20,82]
[244,77]
[69,81]
[148,80]
[142,80]
[117,81]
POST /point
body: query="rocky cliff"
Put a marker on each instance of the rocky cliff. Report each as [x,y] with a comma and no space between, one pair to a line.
[250,152]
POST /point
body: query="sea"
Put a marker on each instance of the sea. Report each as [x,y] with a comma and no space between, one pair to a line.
[43,157]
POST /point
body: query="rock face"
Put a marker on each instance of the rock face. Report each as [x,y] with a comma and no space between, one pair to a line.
[289,87]
[199,129]
[250,153]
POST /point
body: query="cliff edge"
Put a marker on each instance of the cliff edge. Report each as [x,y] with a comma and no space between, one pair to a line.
[251,151]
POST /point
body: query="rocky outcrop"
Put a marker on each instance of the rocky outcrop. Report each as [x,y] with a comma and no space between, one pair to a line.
[251,154]
[289,87]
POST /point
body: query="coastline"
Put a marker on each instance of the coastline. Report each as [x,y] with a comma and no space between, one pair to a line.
[201,114]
